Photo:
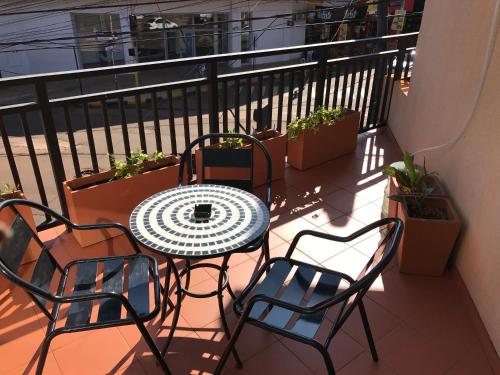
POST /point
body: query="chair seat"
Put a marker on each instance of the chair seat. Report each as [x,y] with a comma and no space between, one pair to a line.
[129,274]
[299,284]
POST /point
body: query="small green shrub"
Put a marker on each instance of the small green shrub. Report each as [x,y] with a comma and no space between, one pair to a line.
[414,190]
[133,165]
[6,188]
[232,143]
[316,118]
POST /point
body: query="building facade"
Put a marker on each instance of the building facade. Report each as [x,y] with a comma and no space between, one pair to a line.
[86,38]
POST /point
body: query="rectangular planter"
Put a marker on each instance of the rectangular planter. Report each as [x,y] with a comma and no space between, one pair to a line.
[426,244]
[94,199]
[275,144]
[431,181]
[329,141]
[7,217]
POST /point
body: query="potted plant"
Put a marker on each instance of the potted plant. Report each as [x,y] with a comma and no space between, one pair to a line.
[273,141]
[405,177]
[324,135]
[111,196]
[8,215]
[431,223]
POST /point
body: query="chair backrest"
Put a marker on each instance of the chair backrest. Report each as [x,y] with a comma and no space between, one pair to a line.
[20,239]
[226,166]
[387,247]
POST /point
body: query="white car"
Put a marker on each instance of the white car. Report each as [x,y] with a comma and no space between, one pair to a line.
[159,23]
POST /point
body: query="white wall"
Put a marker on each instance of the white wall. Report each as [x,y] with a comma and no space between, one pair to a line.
[449,58]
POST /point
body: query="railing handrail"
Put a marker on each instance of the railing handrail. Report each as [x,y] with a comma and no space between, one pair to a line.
[137,67]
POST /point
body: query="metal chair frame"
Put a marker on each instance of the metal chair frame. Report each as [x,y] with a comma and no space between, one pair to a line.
[60,299]
[352,295]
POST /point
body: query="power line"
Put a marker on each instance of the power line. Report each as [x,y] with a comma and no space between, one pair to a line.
[282,15]
[70,46]
[90,7]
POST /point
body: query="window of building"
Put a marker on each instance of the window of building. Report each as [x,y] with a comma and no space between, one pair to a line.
[98,39]
[172,36]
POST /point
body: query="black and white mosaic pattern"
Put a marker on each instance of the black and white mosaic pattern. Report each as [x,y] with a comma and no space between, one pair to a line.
[165,221]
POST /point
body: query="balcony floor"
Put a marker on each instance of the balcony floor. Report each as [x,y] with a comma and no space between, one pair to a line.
[421,325]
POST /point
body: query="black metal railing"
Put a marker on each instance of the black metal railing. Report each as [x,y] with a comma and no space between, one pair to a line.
[55,135]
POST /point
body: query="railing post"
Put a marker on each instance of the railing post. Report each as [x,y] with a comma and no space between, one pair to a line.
[213,97]
[53,149]
[320,77]
[402,46]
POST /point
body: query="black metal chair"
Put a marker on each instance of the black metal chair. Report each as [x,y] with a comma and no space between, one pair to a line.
[241,158]
[297,310]
[137,269]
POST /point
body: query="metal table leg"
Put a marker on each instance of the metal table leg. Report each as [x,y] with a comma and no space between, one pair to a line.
[220,297]
[177,308]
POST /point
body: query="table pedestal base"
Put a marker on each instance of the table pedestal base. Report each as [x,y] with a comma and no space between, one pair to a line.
[181,291]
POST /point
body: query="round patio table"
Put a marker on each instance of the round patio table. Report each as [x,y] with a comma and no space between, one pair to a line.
[165,223]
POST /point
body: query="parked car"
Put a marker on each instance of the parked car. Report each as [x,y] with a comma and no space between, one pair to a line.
[159,23]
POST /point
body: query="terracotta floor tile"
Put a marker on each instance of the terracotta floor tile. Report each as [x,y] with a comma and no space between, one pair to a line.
[369,245]
[198,312]
[320,249]
[319,213]
[288,225]
[472,362]
[284,197]
[253,340]
[275,359]
[50,368]
[343,349]
[365,365]
[349,261]
[381,321]
[102,351]
[370,190]
[367,214]
[344,226]
[407,351]
[345,201]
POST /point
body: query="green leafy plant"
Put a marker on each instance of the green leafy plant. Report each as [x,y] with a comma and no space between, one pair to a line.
[232,143]
[411,178]
[134,164]
[316,118]
[6,188]
[414,190]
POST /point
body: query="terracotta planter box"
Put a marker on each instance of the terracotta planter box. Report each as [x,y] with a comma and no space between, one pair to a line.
[94,199]
[316,146]
[7,217]
[275,144]
[426,244]
[431,181]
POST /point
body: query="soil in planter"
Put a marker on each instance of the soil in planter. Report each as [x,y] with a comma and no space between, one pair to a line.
[425,212]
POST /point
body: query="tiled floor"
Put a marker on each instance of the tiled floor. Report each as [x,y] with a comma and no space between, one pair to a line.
[421,325]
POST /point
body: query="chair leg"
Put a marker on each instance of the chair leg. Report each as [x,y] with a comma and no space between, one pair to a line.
[43,354]
[265,248]
[230,346]
[154,349]
[368,331]
[177,307]
[328,360]
[220,298]
[166,290]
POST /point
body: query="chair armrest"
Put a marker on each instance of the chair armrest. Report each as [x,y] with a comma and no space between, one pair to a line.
[118,226]
[335,238]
